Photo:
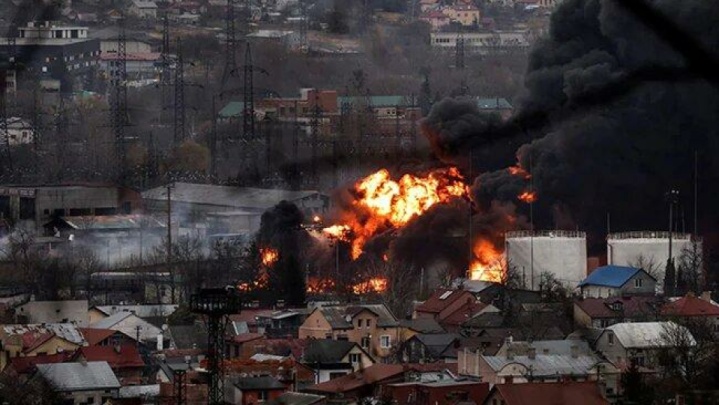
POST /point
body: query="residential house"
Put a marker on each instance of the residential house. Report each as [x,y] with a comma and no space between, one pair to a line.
[291,373]
[38,339]
[25,366]
[298,398]
[124,360]
[436,19]
[252,390]
[692,307]
[244,345]
[192,336]
[612,281]
[599,313]
[466,15]
[331,359]
[429,348]
[547,347]
[281,324]
[81,383]
[138,395]
[106,337]
[153,313]
[639,342]
[451,308]
[535,367]
[373,327]
[246,321]
[143,9]
[53,312]
[131,325]
[411,327]
[426,5]
[19,132]
[449,391]
[565,392]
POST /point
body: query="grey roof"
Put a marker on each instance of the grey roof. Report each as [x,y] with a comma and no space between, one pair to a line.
[558,347]
[437,343]
[547,365]
[147,331]
[422,325]
[93,375]
[296,398]
[143,311]
[226,196]
[140,391]
[485,320]
[259,383]
[327,351]
[189,336]
[639,335]
[65,331]
[337,315]
[110,321]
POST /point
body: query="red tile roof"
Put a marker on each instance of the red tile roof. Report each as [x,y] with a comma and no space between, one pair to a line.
[434,304]
[248,315]
[464,313]
[95,336]
[32,340]
[350,382]
[285,347]
[24,365]
[690,306]
[585,393]
[125,356]
[246,337]
[632,306]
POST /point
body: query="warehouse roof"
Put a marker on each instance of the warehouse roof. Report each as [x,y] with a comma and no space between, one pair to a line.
[610,276]
[227,196]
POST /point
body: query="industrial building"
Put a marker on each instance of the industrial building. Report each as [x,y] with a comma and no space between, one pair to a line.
[232,209]
[483,43]
[560,253]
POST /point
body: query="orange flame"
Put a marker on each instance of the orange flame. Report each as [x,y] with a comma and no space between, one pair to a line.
[338,232]
[528,197]
[519,171]
[269,256]
[320,285]
[392,204]
[373,285]
[487,265]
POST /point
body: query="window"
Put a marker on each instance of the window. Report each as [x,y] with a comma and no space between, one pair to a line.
[368,323]
[638,283]
[354,358]
[262,396]
[359,323]
[610,338]
[364,342]
[639,361]
[384,341]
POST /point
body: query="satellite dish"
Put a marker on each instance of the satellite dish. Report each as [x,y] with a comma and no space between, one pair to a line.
[71,237]
[348,318]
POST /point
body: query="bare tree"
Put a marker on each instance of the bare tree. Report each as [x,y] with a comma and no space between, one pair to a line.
[691,265]
[689,350]
[647,264]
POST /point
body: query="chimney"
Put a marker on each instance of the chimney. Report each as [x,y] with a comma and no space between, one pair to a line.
[706,296]
[532,353]
[510,353]
[575,351]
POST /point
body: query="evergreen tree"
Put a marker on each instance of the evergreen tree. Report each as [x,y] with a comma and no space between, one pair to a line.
[424,100]
[670,282]
[636,391]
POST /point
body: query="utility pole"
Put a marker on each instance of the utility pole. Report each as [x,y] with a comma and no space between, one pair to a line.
[169,224]
[179,106]
[119,104]
[165,74]
[248,116]
[212,139]
[459,51]
[231,42]
[304,22]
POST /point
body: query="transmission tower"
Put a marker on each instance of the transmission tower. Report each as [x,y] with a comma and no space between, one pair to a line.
[7,66]
[179,105]
[231,42]
[304,22]
[166,73]
[248,116]
[216,304]
[119,103]
[179,385]
[314,135]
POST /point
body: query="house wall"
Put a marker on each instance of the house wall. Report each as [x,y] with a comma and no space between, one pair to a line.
[253,397]
[98,397]
[315,327]
[364,362]
[468,362]
[52,346]
[615,353]
[55,312]
[94,316]
[648,285]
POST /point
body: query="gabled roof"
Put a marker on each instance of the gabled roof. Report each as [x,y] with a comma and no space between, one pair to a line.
[338,316]
[296,398]
[626,307]
[463,314]
[246,337]
[643,335]
[66,331]
[259,383]
[690,305]
[422,325]
[485,320]
[548,347]
[68,377]
[442,298]
[125,356]
[610,276]
[350,382]
[95,336]
[327,351]
[546,364]
[143,311]
[111,320]
[585,393]
[437,343]
[25,364]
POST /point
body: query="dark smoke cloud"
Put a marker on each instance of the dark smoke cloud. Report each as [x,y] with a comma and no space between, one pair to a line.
[616,155]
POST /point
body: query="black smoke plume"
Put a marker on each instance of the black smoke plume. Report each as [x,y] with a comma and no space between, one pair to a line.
[612,119]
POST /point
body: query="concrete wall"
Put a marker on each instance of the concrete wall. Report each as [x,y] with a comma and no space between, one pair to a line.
[563,255]
[55,312]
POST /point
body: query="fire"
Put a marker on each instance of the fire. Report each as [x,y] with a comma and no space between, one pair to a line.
[320,285]
[269,256]
[528,197]
[386,203]
[519,171]
[263,278]
[373,285]
[487,265]
[338,232]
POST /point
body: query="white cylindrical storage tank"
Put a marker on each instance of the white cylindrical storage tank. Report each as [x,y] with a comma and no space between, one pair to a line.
[648,249]
[560,253]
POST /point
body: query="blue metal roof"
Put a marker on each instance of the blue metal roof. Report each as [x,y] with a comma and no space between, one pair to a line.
[610,276]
